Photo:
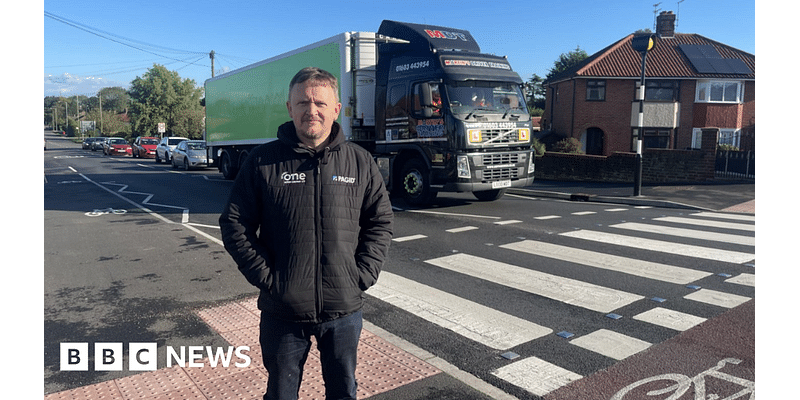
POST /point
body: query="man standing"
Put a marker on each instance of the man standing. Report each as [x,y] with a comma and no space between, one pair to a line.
[309,223]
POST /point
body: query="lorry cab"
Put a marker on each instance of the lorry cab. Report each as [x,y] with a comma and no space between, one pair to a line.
[453,119]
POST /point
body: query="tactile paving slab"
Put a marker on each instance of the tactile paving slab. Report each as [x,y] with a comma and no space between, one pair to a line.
[382,367]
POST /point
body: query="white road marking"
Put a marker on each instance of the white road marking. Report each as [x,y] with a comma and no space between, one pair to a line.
[536,375]
[508,222]
[743,279]
[662,246]
[645,269]
[461,229]
[482,324]
[708,223]
[738,217]
[569,291]
[688,233]
[611,344]
[716,298]
[669,319]
[407,238]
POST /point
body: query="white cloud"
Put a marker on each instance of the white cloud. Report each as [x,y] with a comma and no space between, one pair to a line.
[67,84]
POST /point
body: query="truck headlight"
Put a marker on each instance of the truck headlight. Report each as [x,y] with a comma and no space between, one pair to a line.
[462,165]
[531,164]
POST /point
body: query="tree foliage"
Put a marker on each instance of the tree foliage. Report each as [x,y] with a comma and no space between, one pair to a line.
[160,96]
[566,61]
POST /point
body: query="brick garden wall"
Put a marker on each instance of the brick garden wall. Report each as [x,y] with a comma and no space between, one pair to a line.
[658,165]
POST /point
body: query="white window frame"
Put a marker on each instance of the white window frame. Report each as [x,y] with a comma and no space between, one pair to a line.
[703,91]
[729,136]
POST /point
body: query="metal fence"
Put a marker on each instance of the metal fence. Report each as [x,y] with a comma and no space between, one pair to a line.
[732,164]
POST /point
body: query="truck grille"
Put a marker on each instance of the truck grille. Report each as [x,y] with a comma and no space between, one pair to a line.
[500,174]
[498,136]
[500,158]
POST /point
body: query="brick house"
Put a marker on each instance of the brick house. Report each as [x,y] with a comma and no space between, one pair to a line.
[692,82]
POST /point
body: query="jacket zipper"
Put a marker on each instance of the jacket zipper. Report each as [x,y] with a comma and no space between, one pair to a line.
[317,239]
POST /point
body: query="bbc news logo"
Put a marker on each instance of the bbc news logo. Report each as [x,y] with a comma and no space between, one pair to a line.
[144,357]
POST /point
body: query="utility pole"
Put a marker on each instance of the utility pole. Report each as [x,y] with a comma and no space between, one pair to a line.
[212,62]
[642,43]
[100,99]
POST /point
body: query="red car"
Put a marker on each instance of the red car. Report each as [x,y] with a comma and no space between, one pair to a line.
[116,147]
[144,147]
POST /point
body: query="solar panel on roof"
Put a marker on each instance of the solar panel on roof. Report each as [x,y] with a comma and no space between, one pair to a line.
[706,60]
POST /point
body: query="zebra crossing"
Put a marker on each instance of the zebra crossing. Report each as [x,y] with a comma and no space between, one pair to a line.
[502,331]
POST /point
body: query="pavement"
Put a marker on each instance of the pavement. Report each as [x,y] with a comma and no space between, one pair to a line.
[389,367]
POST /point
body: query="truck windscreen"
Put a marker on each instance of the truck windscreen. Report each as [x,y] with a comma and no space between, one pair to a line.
[485,98]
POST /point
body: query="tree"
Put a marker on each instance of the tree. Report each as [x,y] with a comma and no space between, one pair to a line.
[161,96]
[536,95]
[566,61]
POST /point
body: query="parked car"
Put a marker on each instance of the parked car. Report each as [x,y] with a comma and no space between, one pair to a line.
[144,147]
[165,147]
[116,147]
[98,144]
[190,154]
[87,143]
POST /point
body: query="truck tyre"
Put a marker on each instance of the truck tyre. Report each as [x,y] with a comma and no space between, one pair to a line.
[489,195]
[226,166]
[415,183]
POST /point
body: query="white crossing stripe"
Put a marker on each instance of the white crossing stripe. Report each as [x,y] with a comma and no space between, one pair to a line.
[645,269]
[688,233]
[536,375]
[708,223]
[669,319]
[472,320]
[743,279]
[462,229]
[738,217]
[662,246]
[546,217]
[611,344]
[407,238]
[716,298]
[570,291]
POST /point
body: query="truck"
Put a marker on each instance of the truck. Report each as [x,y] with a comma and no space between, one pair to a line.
[436,113]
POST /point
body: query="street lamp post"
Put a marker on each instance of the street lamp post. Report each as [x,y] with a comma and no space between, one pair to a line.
[642,43]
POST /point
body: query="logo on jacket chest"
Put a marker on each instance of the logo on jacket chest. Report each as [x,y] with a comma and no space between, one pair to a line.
[293,177]
[344,179]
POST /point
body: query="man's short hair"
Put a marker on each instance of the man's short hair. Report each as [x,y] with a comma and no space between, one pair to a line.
[317,76]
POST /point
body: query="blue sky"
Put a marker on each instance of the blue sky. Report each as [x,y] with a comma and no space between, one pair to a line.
[90,44]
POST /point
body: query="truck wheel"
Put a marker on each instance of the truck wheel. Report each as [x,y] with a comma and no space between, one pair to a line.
[414,183]
[489,195]
[226,166]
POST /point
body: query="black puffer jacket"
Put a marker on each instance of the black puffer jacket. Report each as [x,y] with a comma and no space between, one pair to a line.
[310,229]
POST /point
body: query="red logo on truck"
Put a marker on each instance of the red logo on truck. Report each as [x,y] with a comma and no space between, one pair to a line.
[437,34]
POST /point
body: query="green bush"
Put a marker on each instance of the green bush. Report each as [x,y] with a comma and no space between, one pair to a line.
[538,147]
[568,145]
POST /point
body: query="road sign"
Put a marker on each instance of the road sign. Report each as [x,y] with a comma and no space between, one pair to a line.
[162,127]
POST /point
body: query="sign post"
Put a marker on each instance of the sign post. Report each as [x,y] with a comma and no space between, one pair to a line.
[162,127]
[642,43]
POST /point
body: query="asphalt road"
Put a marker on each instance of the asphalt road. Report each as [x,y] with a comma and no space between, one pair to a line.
[132,251]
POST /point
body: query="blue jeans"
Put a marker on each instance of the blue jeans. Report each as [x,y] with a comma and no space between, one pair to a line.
[285,346]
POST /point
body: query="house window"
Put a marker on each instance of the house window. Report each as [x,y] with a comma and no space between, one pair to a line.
[719,91]
[656,90]
[595,90]
[656,138]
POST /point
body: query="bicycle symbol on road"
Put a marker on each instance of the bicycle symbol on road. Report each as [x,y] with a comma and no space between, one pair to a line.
[683,383]
[98,212]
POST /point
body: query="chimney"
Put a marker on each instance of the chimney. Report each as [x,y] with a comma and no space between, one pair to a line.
[665,24]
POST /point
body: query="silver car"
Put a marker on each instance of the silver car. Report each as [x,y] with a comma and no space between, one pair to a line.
[190,154]
[165,147]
